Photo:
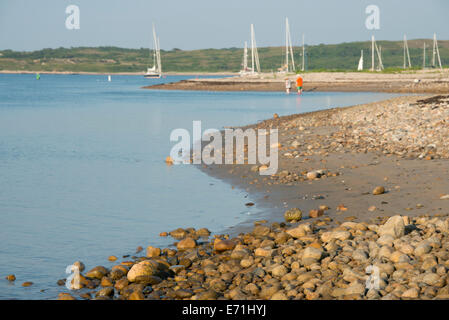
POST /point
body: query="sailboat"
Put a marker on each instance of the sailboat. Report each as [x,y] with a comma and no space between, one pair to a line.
[360,67]
[255,64]
[245,70]
[288,51]
[375,48]
[156,70]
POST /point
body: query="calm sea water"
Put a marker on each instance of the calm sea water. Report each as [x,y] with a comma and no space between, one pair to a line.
[82,174]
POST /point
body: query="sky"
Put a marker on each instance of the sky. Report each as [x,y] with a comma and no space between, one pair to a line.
[197,24]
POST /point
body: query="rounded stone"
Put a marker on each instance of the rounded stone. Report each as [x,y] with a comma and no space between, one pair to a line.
[186,244]
[293,214]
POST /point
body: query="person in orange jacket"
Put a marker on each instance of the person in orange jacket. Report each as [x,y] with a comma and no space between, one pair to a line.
[299,82]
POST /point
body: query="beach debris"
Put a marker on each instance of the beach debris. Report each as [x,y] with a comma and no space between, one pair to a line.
[293,214]
[341,207]
[112,258]
[27,284]
[444,197]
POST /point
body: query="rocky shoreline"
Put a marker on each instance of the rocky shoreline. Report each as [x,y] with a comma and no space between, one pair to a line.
[281,261]
[361,195]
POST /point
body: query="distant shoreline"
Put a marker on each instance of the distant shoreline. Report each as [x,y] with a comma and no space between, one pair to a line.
[117,73]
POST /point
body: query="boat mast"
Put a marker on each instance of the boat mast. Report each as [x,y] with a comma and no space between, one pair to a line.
[289,45]
[245,57]
[303,53]
[424,56]
[406,54]
[436,52]
[254,54]
[159,65]
[286,44]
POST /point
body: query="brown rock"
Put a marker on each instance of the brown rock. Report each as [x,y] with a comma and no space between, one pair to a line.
[136,295]
[97,272]
[10,277]
[316,213]
[65,296]
[153,252]
[378,190]
[223,245]
[185,244]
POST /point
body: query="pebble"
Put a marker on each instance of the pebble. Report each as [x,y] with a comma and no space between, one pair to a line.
[10,277]
[316,213]
[169,160]
[379,190]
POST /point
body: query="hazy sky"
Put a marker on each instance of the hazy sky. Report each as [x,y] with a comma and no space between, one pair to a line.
[197,24]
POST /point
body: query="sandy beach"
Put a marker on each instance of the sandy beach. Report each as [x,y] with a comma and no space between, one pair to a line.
[428,81]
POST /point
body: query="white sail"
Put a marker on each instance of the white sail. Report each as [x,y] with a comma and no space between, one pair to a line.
[245,70]
[436,53]
[360,67]
[254,54]
[288,51]
[156,70]
[375,49]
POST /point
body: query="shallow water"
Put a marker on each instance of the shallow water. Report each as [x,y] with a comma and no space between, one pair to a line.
[82,174]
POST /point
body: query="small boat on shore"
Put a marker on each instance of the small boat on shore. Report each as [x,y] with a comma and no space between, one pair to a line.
[156,70]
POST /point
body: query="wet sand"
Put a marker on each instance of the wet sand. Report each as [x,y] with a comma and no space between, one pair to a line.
[414,185]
